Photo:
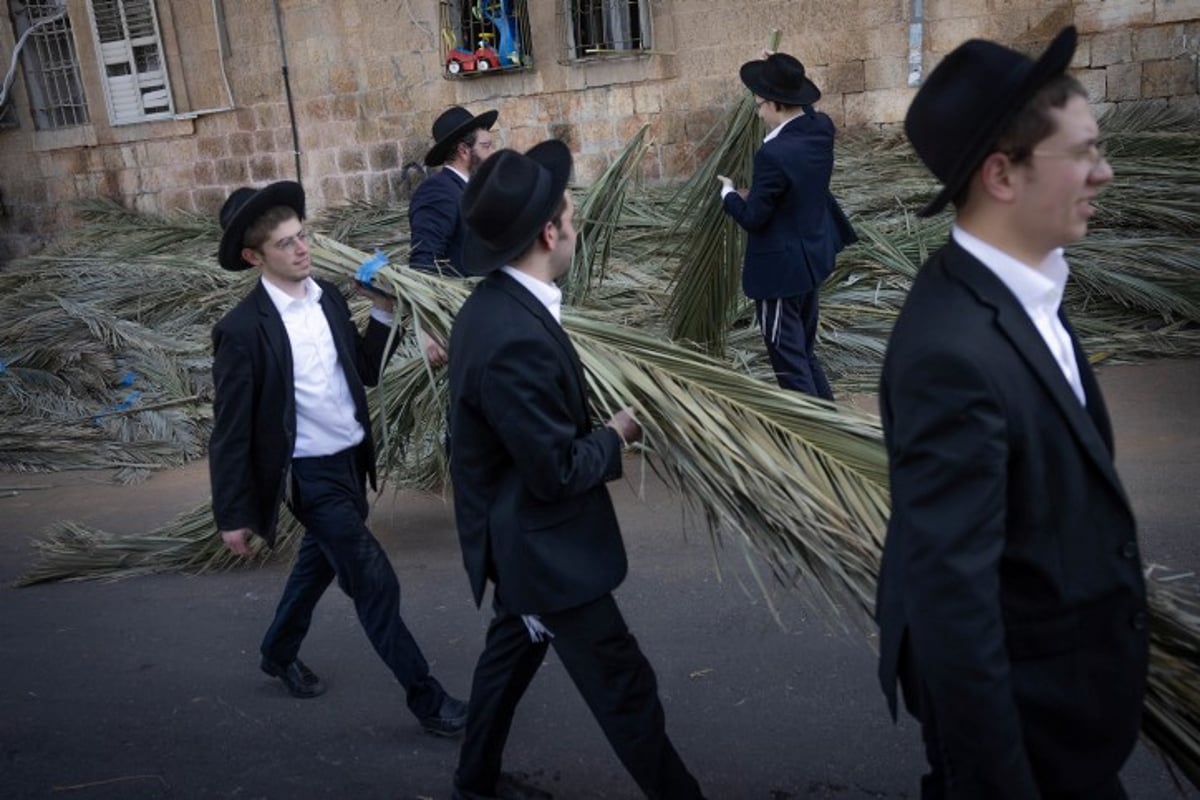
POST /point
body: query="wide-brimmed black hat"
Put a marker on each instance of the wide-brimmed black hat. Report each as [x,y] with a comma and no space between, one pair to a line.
[509,199]
[780,77]
[244,207]
[968,102]
[450,126]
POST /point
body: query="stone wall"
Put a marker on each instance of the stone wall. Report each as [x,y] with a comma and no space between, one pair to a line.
[367,81]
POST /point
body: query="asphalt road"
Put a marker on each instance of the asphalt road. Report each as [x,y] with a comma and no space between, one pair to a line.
[149,688]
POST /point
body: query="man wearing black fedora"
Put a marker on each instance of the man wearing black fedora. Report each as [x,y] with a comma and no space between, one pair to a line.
[1011,603]
[462,141]
[794,226]
[290,421]
[529,473]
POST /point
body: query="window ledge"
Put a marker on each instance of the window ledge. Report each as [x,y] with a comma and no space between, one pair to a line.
[141,131]
[607,69]
[62,138]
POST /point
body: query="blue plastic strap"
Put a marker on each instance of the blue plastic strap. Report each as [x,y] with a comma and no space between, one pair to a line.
[127,379]
[3,366]
[367,270]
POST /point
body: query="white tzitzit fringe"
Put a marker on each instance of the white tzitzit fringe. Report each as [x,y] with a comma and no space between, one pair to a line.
[537,631]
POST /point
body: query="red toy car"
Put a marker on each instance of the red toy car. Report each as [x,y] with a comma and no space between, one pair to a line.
[481,60]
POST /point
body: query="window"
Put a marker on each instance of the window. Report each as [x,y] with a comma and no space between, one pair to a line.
[606,27]
[56,98]
[131,60]
[485,37]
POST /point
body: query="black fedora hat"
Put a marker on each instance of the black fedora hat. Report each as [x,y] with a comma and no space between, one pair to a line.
[508,201]
[780,77]
[450,126]
[968,102]
[245,206]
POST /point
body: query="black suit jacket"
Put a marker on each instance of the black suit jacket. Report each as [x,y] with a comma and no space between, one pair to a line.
[254,408]
[794,227]
[529,470]
[1010,593]
[436,224]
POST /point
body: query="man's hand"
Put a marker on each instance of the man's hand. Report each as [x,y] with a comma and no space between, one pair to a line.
[626,426]
[383,302]
[726,183]
[238,541]
[434,349]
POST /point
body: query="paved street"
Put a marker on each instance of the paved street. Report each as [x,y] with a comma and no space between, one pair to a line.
[149,688]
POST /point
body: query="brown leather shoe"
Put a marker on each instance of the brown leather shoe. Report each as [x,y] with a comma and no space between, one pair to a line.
[299,680]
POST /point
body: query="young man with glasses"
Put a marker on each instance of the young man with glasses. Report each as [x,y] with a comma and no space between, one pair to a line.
[1011,604]
[290,422]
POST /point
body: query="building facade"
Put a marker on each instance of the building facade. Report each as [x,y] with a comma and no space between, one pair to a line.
[166,105]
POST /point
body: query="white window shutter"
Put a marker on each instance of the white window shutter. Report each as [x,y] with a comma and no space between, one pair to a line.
[131,55]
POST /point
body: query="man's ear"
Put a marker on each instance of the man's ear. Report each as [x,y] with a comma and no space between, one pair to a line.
[251,256]
[996,175]
[548,235]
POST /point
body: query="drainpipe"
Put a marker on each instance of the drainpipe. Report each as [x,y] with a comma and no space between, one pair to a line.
[916,42]
[287,88]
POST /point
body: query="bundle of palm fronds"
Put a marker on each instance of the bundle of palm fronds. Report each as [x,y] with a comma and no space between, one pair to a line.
[801,482]
[1171,714]
[73,552]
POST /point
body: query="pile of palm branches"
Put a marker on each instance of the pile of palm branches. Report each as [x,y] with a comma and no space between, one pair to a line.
[121,379]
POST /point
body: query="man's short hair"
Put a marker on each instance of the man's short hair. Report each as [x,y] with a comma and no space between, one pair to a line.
[258,231]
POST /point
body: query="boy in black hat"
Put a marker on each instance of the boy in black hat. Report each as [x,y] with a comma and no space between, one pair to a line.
[794,227]
[529,475]
[1011,605]
[461,143]
[290,420]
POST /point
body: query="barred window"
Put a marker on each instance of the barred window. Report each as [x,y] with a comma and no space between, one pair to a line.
[485,37]
[606,27]
[131,60]
[56,98]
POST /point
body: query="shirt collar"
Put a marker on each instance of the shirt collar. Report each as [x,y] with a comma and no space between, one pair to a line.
[547,294]
[779,128]
[1039,287]
[282,300]
[466,178]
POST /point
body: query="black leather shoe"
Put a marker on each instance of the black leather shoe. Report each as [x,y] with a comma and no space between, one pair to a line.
[450,719]
[298,679]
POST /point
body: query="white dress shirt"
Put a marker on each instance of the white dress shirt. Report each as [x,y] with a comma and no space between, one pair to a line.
[1039,290]
[325,421]
[547,294]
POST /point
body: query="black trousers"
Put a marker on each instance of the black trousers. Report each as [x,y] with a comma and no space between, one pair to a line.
[789,330]
[329,498]
[617,682]
[934,785]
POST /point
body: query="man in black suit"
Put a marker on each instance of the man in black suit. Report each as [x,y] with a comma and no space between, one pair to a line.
[290,420]
[461,143]
[794,227]
[1011,603]
[532,510]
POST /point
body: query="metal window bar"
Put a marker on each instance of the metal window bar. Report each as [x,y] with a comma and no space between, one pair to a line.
[56,98]
[481,37]
[605,27]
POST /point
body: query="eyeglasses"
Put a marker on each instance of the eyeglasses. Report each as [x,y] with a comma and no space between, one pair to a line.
[289,243]
[1091,153]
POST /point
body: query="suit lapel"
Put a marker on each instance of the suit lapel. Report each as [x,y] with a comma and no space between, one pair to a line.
[271,325]
[1016,326]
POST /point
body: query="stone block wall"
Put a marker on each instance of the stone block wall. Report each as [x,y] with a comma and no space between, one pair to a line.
[367,81]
